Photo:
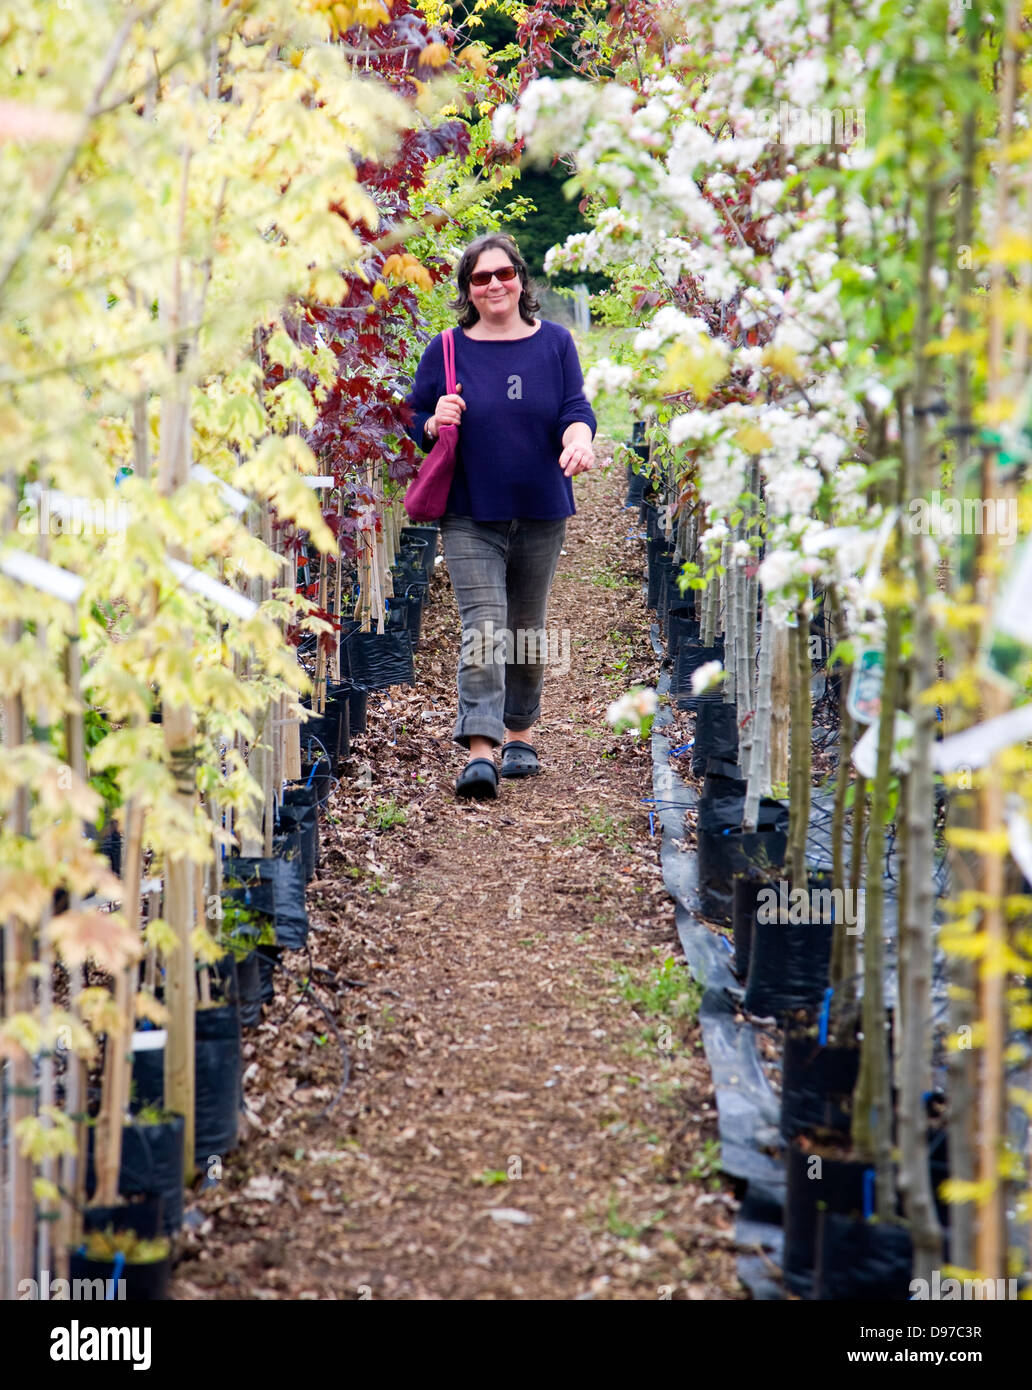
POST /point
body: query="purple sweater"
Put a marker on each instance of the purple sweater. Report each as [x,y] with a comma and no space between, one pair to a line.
[520,396]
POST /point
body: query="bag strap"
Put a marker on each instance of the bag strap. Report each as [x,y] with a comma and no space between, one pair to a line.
[448,343]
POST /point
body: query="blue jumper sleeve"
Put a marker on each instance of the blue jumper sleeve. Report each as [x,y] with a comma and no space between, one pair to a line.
[575,404]
[427,389]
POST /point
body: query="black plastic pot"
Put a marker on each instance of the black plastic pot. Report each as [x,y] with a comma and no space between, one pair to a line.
[111,845]
[358,700]
[428,534]
[320,737]
[143,1214]
[406,615]
[328,734]
[636,485]
[744,892]
[218,1088]
[144,1283]
[268,958]
[690,656]
[148,1078]
[275,887]
[223,974]
[660,553]
[725,850]
[817,1082]
[409,577]
[671,600]
[286,844]
[299,812]
[249,990]
[152,1161]
[723,781]
[339,702]
[413,552]
[939,1165]
[323,780]
[861,1260]
[381,659]
[680,628]
[348,627]
[716,735]
[812,1179]
[789,961]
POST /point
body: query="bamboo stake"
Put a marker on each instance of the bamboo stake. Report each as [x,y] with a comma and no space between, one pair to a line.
[46,994]
[802,752]
[917,891]
[871,1104]
[746,658]
[709,611]
[270,784]
[178,727]
[729,621]
[843,950]
[338,584]
[204,973]
[759,763]
[780,708]
[962,1061]
[72,1166]
[117,1043]
[21,1088]
[319,699]
[991,1243]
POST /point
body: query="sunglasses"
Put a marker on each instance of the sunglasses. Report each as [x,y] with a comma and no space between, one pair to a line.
[483,277]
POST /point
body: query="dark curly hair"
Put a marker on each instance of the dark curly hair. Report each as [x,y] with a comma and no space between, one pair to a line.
[463,304]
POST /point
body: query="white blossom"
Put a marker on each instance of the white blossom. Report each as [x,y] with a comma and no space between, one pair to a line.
[707,677]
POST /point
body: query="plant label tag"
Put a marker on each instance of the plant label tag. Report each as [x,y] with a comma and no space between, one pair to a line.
[1019,836]
[1014,615]
[41,575]
[973,748]
[864,699]
[865,753]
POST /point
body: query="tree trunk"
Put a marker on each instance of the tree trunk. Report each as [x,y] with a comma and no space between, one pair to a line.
[872,1106]
[759,765]
[780,711]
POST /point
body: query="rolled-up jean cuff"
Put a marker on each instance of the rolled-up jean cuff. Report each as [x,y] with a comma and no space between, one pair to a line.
[519,723]
[465,729]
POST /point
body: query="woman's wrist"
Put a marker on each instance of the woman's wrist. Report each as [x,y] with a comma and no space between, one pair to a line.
[431,433]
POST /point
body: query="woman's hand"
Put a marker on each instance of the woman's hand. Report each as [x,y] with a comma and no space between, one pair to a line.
[448,410]
[576,458]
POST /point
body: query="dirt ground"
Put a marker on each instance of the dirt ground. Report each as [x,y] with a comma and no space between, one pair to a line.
[528,1113]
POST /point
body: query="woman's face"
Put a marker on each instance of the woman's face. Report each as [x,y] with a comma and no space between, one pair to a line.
[498,299]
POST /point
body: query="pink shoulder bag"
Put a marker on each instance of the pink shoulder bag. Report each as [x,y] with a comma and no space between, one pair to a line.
[427,495]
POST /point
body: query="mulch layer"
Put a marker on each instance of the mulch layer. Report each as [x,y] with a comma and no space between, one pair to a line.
[527,1114]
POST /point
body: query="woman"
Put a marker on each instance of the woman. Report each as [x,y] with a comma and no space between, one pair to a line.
[525,428]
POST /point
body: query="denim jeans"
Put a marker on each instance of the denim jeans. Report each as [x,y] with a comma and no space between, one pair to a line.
[501,572]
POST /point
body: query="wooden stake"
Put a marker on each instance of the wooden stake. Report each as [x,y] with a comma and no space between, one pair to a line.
[117,1058]
[780,705]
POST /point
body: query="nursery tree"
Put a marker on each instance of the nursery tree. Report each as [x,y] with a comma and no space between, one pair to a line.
[178,181]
